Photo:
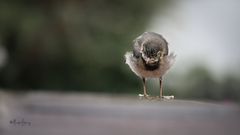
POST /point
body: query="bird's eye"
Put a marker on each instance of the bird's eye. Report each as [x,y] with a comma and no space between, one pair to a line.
[160,54]
[144,56]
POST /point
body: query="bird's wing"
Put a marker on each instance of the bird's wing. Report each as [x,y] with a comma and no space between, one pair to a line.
[137,45]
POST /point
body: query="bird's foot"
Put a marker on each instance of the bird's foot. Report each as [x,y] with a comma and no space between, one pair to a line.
[164,97]
[168,97]
[145,96]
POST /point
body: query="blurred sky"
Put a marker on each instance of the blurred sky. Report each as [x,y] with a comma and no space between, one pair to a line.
[202,32]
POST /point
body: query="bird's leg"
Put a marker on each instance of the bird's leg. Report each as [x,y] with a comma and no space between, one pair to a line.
[161,87]
[145,95]
[161,90]
[144,87]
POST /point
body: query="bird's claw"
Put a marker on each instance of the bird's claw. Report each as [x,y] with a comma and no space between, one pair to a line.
[146,96]
[168,97]
[141,96]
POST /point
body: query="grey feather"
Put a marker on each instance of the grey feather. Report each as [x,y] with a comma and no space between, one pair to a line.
[137,66]
[146,47]
[151,39]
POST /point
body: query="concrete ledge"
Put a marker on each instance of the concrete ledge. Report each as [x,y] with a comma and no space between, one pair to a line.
[96,114]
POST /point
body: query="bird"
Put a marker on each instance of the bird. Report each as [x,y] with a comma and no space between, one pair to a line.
[150,58]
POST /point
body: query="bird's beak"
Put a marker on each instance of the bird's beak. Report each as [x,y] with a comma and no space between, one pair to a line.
[151,61]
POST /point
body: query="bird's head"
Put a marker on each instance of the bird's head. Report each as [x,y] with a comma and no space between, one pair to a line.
[151,53]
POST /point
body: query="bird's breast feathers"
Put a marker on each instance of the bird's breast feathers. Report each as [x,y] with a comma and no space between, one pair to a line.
[138,66]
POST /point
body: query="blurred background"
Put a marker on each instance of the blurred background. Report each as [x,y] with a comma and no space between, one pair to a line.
[78,46]
[62,67]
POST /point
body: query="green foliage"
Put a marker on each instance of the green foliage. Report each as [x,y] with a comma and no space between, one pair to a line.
[199,83]
[70,45]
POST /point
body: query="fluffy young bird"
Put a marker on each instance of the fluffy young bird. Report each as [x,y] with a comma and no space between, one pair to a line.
[150,58]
